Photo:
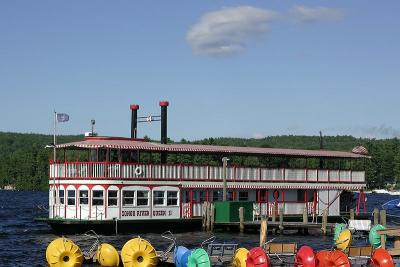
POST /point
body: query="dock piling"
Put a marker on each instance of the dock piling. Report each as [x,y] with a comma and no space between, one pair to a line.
[376,214]
[241,219]
[208,223]
[263,232]
[281,220]
[204,217]
[273,214]
[212,213]
[305,215]
[324,221]
[382,215]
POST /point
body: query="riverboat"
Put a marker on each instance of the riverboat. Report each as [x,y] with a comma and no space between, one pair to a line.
[130,184]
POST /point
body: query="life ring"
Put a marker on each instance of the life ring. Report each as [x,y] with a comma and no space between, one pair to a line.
[375,238]
[344,240]
[240,257]
[381,258]
[199,258]
[305,257]
[138,252]
[63,252]
[257,258]
[138,171]
[107,256]
[335,258]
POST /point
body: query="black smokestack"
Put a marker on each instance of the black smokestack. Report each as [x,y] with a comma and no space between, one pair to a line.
[164,138]
[134,109]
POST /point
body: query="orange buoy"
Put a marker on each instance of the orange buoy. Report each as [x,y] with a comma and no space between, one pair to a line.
[257,258]
[381,258]
[321,258]
[305,257]
[333,258]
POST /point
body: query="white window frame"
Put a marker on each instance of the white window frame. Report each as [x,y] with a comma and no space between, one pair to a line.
[157,197]
[61,199]
[84,197]
[98,198]
[141,198]
[113,198]
[133,198]
[174,198]
[71,197]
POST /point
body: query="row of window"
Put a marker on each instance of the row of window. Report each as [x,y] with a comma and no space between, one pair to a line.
[217,196]
[130,198]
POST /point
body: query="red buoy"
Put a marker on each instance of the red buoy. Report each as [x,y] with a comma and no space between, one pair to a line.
[257,258]
[305,257]
[381,258]
[333,258]
[322,258]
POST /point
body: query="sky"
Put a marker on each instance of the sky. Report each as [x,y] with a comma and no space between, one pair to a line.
[228,68]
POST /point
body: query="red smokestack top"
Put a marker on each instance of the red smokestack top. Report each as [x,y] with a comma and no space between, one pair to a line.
[134,107]
[164,103]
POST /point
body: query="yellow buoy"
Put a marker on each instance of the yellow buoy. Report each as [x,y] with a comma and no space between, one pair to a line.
[240,257]
[344,239]
[62,252]
[138,252]
[107,256]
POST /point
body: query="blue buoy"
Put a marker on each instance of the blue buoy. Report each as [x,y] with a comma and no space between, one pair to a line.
[185,258]
[179,252]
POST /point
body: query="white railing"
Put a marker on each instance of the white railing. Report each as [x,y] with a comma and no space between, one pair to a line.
[295,174]
[192,172]
[289,208]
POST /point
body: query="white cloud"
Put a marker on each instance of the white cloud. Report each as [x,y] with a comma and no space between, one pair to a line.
[381,131]
[304,14]
[229,30]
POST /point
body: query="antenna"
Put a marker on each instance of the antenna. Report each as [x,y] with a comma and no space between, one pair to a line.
[92,122]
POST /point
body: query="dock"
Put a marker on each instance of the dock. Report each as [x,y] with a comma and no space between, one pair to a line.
[239,220]
[274,226]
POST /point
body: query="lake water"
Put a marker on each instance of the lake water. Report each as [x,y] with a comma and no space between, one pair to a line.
[23,242]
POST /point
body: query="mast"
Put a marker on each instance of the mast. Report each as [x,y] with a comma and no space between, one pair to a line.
[54,161]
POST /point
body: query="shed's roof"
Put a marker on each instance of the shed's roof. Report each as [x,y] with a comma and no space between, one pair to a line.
[136,144]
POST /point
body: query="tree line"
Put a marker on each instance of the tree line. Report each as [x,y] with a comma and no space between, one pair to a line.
[24,158]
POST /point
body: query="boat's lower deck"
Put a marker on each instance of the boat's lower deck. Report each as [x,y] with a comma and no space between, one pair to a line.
[63,226]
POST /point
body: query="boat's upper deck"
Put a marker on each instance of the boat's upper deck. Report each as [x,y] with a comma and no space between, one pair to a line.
[142,145]
[185,172]
[122,167]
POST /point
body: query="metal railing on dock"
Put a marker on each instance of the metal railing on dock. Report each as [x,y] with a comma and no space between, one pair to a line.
[277,221]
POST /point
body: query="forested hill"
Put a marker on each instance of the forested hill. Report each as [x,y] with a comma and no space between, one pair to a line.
[24,158]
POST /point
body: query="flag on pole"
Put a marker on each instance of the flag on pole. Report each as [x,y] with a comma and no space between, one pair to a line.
[62,117]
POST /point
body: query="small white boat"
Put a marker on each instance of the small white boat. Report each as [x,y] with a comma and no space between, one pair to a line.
[391,204]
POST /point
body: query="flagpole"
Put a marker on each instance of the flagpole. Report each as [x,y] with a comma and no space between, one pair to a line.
[54,136]
[54,160]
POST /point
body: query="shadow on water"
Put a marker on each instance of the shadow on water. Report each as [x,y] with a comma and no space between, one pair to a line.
[23,242]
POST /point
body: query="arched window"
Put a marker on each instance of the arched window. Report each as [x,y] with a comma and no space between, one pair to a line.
[71,197]
[97,198]
[83,197]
